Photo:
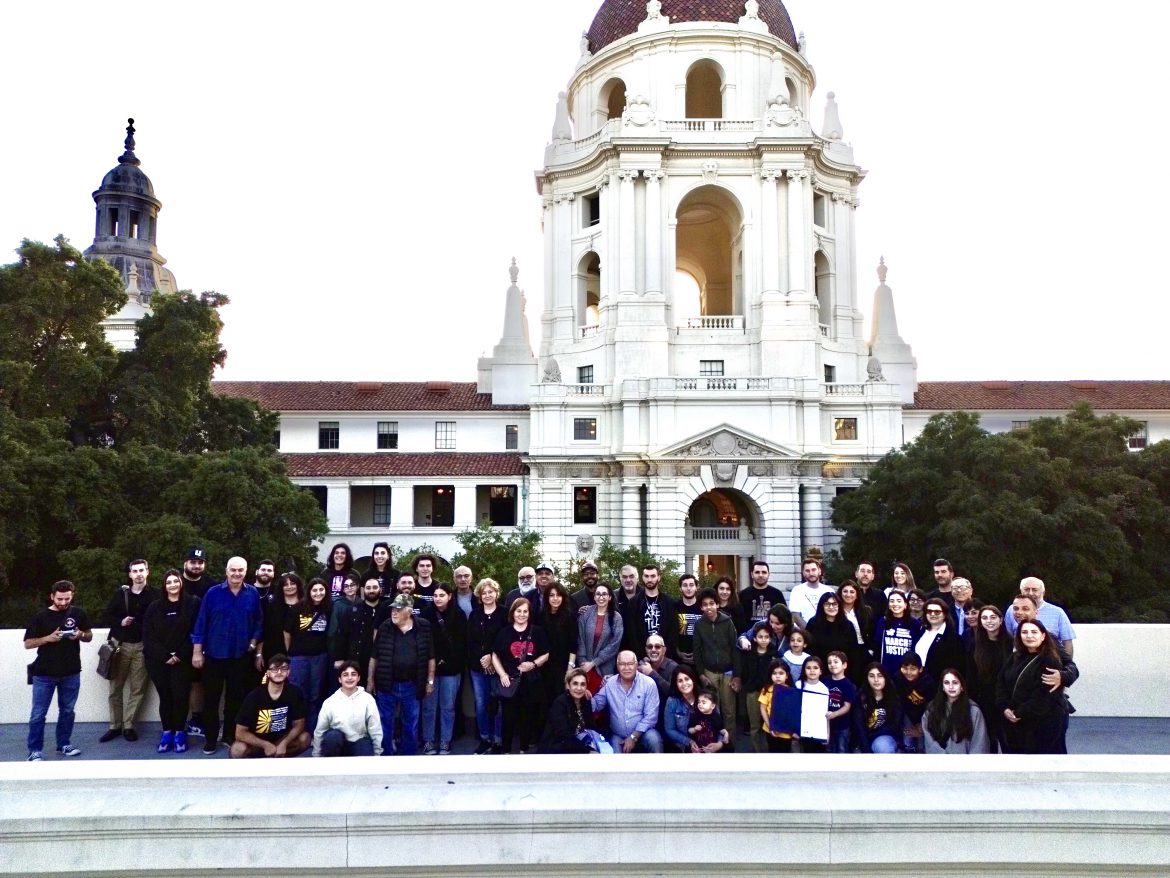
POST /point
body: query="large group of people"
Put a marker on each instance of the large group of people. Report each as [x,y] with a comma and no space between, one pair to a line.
[374,663]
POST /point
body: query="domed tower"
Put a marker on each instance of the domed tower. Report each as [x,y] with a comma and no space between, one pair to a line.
[700,302]
[126,229]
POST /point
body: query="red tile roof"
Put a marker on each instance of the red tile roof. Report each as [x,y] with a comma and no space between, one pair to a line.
[395,464]
[364,396]
[1056,395]
[620,18]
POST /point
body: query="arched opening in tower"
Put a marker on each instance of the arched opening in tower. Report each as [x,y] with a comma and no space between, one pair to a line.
[704,91]
[708,245]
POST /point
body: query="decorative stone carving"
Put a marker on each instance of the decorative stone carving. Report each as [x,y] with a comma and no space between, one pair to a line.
[562,129]
[797,174]
[585,544]
[627,175]
[655,174]
[802,44]
[710,170]
[770,175]
[552,372]
[585,54]
[653,10]
[760,470]
[724,444]
[724,472]
[751,9]
[687,471]
[638,112]
[562,197]
[781,114]
[873,370]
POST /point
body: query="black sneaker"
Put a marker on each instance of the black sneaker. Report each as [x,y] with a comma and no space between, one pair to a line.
[209,748]
[193,730]
[485,746]
[497,749]
[109,735]
[130,735]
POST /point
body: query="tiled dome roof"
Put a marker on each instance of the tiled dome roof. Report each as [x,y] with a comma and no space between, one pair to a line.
[619,18]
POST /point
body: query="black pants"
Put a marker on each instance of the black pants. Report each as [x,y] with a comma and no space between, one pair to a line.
[173,683]
[228,678]
[521,718]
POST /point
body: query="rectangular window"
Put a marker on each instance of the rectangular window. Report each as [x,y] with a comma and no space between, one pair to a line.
[830,374]
[502,505]
[591,209]
[584,374]
[133,224]
[276,439]
[443,506]
[381,506]
[321,495]
[387,435]
[1020,425]
[328,435]
[584,505]
[444,435]
[584,429]
[1138,440]
[711,368]
[820,210]
[511,437]
[844,429]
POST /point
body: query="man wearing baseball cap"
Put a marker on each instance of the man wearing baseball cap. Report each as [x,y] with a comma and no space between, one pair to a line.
[402,673]
[584,597]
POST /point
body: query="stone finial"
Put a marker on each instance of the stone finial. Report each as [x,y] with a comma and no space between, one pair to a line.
[832,129]
[653,10]
[881,270]
[802,44]
[584,44]
[552,372]
[128,157]
[873,370]
[562,128]
[751,9]
[513,271]
[132,289]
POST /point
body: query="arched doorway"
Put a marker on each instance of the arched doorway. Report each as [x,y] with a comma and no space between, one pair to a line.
[723,534]
[708,248]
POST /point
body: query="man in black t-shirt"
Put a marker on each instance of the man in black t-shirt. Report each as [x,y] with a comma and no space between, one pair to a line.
[759,597]
[56,633]
[271,721]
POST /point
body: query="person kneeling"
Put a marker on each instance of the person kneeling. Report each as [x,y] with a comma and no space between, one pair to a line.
[271,721]
[349,724]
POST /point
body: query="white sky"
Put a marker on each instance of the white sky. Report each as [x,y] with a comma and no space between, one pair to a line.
[357,180]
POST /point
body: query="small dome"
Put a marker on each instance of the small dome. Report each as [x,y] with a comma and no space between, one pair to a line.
[128,178]
[620,18]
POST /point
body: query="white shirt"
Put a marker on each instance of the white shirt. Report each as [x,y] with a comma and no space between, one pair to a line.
[356,716]
[804,598]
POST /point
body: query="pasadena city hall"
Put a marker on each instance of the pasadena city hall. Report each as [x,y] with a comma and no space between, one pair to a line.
[682,163]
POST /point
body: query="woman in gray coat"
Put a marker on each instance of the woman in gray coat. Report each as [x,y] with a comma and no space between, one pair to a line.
[953,723]
[599,637]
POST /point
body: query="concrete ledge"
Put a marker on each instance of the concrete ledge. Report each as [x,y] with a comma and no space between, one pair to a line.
[551,816]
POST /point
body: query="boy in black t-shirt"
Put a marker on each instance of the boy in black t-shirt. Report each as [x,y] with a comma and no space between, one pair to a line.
[271,721]
[56,633]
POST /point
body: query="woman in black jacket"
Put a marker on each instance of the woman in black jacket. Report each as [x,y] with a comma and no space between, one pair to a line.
[487,618]
[939,645]
[449,630]
[559,621]
[1034,714]
[569,716]
[520,652]
[992,650]
[166,646]
[828,630]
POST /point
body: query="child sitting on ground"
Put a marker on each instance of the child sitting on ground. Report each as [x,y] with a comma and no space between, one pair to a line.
[706,724]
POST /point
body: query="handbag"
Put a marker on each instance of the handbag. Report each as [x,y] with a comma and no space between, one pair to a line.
[107,658]
[509,691]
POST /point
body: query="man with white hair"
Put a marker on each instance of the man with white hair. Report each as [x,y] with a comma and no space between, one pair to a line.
[227,630]
[1054,619]
[526,588]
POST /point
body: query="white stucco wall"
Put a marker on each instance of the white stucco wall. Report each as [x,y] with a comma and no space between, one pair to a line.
[1123,671]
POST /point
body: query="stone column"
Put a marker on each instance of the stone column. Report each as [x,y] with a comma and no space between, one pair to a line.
[337,502]
[627,234]
[812,517]
[465,507]
[654,271]
[797,251]
[770,234]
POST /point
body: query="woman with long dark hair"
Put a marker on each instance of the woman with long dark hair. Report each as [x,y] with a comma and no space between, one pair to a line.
[1034,714]
[953,723]
[828,630]
[382,569]
[859,615]
[281,607]
[599,637]
[449,636]
[166,646]
[729,603]
[684,691]
[559,622]
[306,642]
[521,651]
[985,661]
[340,562]
[894,633]
[879,713]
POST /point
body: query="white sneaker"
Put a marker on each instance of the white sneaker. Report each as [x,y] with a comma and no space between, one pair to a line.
[68,750]
[34,756]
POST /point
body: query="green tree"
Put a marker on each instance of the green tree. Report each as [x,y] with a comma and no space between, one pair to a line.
[1063,499]
[108,456]
[491,552]
[610,558]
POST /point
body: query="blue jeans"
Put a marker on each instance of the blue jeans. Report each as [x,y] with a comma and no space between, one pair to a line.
[884,744]
[840,741]
[442,702]
[334,743]
[67,688]
[650,742]
[307,673]
[401,697]
[489,722]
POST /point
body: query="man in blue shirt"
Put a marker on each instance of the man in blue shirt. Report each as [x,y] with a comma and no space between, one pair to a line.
[1053,617]
[632,699]
[225,635]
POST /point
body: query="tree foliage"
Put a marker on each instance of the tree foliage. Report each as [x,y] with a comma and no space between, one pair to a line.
[1063,499]
[108,456]
[491,552]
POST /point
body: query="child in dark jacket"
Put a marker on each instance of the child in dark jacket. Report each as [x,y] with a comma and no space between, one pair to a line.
[879,715]
[706,724]
[757,673]
[916,690]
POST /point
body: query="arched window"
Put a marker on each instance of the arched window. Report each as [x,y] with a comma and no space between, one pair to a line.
[588,286]
[704,91]
[708,237]
[611,101]
[824,288]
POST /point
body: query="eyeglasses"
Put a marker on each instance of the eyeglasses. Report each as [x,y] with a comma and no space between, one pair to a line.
[524,578]
[934,612]
[278,669]
[656,646]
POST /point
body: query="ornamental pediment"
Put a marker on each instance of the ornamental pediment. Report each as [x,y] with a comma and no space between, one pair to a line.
[726,441]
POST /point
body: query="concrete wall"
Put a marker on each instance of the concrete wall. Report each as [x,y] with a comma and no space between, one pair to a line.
[553,816]
[1123,672]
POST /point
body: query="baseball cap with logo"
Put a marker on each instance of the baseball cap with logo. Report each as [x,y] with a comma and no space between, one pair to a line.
[196,553]
[403,602]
